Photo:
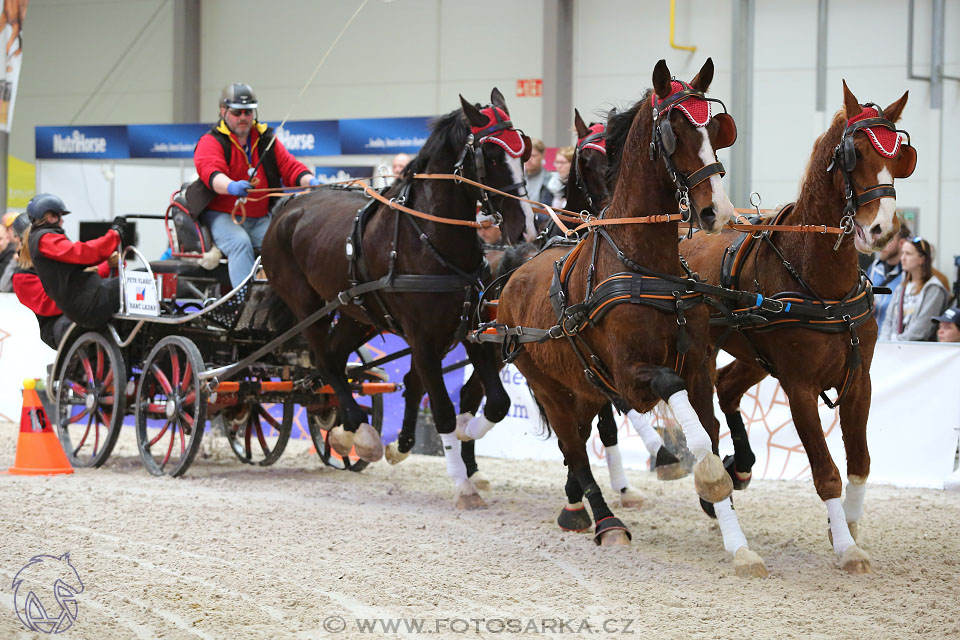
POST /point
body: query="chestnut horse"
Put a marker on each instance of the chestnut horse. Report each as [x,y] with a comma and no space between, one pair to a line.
[323,243]
[860,149]
[661,150]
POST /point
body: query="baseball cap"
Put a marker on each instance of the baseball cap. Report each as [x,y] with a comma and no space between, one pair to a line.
[9,217]
[950,315]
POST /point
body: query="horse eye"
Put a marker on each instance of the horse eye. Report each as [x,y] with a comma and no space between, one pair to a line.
[858,154]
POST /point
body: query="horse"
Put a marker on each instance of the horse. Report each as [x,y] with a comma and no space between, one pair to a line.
[392,271]
[640,334]
[585,191]
[861,147]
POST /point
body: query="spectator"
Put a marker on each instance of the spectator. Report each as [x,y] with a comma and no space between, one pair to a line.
[885,271]
[8,240]
[558,181]
[83,293]
[225,158]
[400,161]
[948,325]
[537,177]
[918,298]
[20,224]
[490,235]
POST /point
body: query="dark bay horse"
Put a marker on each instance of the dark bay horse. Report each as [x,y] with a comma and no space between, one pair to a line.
[661,149]
[861,150]
[323,243]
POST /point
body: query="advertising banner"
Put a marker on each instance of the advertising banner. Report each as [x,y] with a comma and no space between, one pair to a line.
[383,135]
[328,175]
[164,140]
[63,143]
[310,137]
[11,25]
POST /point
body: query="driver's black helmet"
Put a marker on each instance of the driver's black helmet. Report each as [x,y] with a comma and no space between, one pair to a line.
[238,96]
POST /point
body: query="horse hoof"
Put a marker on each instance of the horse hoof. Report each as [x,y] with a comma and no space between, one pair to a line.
[468,498]
[367,443]
[480,481]
[610,531]
[460,430]
[673,471]
[574,517]
[630,499]
[341,440]
[747,564]
[740,480]
[393,455]
[711,480]
[855,560]
[615,538]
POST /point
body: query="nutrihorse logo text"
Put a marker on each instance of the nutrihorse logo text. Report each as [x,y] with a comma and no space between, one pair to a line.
[45,593]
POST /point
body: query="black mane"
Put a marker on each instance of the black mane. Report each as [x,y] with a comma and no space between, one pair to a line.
[450,130]
[618,127]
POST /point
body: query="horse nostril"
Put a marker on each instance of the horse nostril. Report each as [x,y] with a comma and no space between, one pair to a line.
[876,230]
[708,216]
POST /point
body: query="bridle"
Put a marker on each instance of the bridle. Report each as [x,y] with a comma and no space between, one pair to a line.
[663,140]
[845,158]
[594,140]
[498,125]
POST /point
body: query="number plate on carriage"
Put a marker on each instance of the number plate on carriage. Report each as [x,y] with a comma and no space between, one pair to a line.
[140,294]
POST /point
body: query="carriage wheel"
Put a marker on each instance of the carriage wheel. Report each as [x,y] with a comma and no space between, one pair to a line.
[171,407]
[250,436]
[323,420]
[90,400]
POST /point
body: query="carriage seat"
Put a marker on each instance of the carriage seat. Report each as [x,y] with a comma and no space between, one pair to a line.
[192,235]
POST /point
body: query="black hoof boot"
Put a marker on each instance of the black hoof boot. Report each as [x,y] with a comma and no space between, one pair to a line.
[668,466]
[708,508]
[574,519]
[609,523]
[740,480]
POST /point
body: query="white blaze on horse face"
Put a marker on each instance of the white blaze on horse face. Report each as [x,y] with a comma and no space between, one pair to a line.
[516,173]
[722,206]
[886,211]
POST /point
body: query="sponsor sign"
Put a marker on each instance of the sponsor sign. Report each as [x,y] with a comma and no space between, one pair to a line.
[383,135]
[310,137]
[326,175]
[140,294]
[529,88]
[82,142]
[164,140]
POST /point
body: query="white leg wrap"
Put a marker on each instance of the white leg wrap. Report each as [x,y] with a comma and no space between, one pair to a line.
[697,439]
[618,479]
[853,502]
[478,427]
[644,428]
[456,469]
[838,526]
[733,537]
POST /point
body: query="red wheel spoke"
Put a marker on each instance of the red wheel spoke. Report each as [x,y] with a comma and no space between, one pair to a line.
[247,432]
[82,440]
[189,399]
[269,418]
[183,447]
[77,388]
[85,361]
[263,441]
[105,417]
[175,367]
[187,376]
[156,438]
[99,361]
[156,408]
[166,458]
[186,417]
[96,434]
[161,378]
[108,380]
[75,419]
[366,408]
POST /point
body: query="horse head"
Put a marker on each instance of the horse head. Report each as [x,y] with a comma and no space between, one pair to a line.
[869,153]
[498,151]
[586,188]
[686,135]
[43,581]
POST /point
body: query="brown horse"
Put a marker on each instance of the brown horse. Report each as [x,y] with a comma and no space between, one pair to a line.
[423,274]
[661,149]
[805,360]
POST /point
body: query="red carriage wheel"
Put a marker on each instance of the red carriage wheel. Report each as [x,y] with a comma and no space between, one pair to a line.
[255,436]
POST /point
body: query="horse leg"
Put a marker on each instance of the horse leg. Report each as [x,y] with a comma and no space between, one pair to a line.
[398,451]
[607,429]
[854,411]
[428,362]
[826,477]
[574,516]
[668,466]
[486,366]
[746,563]
[733,381]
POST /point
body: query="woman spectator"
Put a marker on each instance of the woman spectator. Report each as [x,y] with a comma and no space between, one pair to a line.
[918,298]
[557,183]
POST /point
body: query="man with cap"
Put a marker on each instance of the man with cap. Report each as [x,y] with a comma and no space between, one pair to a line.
[15,224]
[72,273]
[949,328]
[236,155]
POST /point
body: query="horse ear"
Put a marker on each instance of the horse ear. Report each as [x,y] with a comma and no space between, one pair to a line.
[497,100]
[582,129]
[661,79]
[895,110]
[850,103]
[703,79]
[474,117]
[65,557]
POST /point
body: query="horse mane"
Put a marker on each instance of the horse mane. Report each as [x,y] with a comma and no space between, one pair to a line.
[450,130]
[618,128]
[820,157]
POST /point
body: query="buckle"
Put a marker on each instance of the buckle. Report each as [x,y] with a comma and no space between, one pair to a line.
[772,305]
[344,297]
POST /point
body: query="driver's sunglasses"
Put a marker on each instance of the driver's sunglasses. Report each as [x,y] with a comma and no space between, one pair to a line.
[240,112]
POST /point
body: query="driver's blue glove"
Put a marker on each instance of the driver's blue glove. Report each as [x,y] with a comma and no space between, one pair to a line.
[314,181]
[239,188]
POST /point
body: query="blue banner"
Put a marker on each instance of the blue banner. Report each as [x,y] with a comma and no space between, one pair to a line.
[164,140]
[326,175]
[81,142]
[310,137]
[383,135]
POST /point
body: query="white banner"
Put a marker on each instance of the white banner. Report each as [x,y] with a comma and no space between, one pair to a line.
[22,354]
[140,294]
[14,11]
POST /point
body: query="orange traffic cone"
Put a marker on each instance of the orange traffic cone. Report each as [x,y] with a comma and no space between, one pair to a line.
[38,449]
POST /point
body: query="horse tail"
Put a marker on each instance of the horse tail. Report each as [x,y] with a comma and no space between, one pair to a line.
[545,430]
[272,310]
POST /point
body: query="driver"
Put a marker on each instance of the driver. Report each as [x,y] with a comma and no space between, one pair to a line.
[68,270]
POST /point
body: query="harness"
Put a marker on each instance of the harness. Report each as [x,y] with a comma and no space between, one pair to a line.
[593,140]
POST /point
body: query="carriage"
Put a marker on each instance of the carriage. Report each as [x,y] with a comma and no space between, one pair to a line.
[180,355]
